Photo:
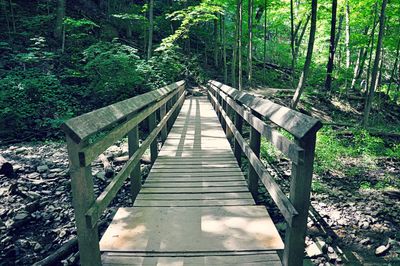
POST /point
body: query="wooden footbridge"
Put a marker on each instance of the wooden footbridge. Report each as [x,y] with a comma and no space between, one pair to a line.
[196,206]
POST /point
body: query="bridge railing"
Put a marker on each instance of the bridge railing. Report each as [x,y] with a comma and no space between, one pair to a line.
[233,107]
[89,135]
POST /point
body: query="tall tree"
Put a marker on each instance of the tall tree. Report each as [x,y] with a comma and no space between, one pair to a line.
[310,48]
[240,22]
[347,39]
[393,72]
[265,34]
[60,14]
[250,51]
[151,26]
[224,48]
[329,67]
[292,34]
[374,75]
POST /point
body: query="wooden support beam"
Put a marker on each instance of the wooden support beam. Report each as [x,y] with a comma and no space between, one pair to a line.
[237,150]
[300,188]
[154,144]
[135,176]
[255,144]
[164,132]
[82,199]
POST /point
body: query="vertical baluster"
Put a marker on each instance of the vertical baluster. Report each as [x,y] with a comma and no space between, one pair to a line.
[163,133]
[136,178]
[154,144]
[82,199]
[255,142]
[236,148]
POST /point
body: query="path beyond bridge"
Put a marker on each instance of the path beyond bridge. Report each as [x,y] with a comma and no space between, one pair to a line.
[196,206]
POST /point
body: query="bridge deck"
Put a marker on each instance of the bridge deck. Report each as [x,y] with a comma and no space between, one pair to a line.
[195,208]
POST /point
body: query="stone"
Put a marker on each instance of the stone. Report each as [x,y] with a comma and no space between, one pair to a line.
[314,251]
[42,168]
[381,250]
[37,247]
[21,216]
[365,241]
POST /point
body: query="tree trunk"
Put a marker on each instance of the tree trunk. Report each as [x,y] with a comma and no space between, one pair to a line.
[12,16]
[250,51]
[358,68]
[306,69]
[375,69]
[265,34]
[224,49]
[235,46]
[292,39]
[216,43]
[58,29]
[347,40]
[329,67]
[4,10]
[299,40]
[151,25]
[372,45]
[394,67]
[240,22]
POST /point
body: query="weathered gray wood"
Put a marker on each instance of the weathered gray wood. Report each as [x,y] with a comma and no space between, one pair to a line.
[135,176]
[211,229]
[283,203]
[199,196]
[197,170]
[193,203]
[111,190]
[199,259]
[255,145]
[300,187]
[236,148]
[196,174]
[164,132]
[194,179]
[294,122]
[287,147]
[204,184]
[154,144]
[152,190]
[82,199]
[89,153]
[82,127]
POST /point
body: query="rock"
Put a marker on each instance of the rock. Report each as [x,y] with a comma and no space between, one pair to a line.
[314,251]
[37,247]
[42,168]
[101,176]
[21,216]
[332,256]
[365,241]
[381,250]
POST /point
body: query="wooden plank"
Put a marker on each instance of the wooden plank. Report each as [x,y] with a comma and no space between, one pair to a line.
[283,203]
[173,179]
[191,196]
[112,188]
[90,153]
[179,164]
[217,174]
[193,203]
[175,190]
[82,127]
[294,122]
[203,184]
[196,170]
[255,142]
[236,228]
[252,259]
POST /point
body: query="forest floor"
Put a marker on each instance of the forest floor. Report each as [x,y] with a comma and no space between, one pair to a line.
[352,215]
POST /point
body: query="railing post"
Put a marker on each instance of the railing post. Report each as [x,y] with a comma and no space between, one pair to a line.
[154,144]
[236,148]
[255,142]
[163,133]
[228,132]
[82,199]
[136,177]
[300,187]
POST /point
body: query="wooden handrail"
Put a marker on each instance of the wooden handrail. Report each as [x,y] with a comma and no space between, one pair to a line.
[124,117]
[228,101]
[82,127]
[296,123]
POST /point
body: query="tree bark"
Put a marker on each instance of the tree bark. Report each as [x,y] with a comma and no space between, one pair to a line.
[329,67]
[358,68]
[265,34]
[372,45]
[306,69]
[394,67]
[240,22]
[58,29]
[347,39]
[235,46]
[250,51]
[216,43]
[292,39]
[299,40]
[375,69]
[224,49]
[151,26]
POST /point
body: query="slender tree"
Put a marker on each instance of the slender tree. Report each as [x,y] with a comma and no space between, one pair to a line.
[60,14]
[250,47]
[374,75]
[216,43]
[240,22]
[347,39]
[151,26]
[310,48]
[292,34]
[224,48]
[329,67]
[265,34]
[392,75]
